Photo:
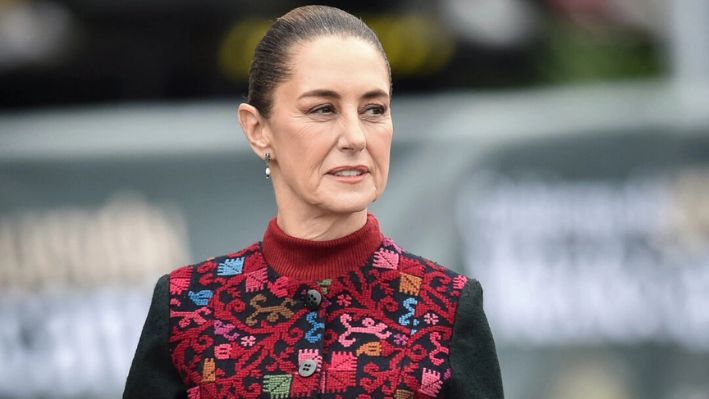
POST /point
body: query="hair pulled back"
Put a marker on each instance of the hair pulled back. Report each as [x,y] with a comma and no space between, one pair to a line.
[270,65]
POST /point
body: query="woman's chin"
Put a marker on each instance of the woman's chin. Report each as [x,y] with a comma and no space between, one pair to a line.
[348,202]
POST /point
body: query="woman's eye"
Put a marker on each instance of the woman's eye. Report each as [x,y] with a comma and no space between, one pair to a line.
[375,110]
[323,110]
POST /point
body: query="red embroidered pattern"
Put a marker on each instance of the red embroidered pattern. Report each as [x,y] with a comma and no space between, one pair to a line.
[240,330]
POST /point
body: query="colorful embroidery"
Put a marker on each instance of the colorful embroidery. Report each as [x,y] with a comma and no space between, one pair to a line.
[277,386]
[273,312]
[325,285]
[368,327]
[342,372]
[200,298]
[231,267]
[431,382]
[209,370]
[310,354]
[257,280]
[312,335]
[240,330]
[386,259]
[409,284]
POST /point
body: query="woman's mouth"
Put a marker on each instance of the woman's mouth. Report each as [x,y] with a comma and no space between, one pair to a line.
[349,174]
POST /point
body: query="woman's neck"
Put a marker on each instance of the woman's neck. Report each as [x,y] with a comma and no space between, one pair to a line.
[320,227]
[316,260]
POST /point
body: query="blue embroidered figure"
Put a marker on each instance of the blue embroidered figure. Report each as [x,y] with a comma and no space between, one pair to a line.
[405,320]
[310,335]
[200,298]
[231,267]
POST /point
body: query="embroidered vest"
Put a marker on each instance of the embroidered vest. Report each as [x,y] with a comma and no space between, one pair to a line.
[240,330]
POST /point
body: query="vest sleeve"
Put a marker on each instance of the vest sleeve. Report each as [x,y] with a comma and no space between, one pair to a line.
[475,368]
[152,375]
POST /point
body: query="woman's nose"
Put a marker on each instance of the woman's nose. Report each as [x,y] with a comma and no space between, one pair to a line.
[352,135]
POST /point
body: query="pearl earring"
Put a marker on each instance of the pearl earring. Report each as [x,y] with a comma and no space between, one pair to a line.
[267,158]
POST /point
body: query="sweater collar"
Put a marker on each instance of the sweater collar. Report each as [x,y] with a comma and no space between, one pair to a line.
[316,260]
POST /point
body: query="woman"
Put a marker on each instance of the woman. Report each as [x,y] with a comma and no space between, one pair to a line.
[325,306]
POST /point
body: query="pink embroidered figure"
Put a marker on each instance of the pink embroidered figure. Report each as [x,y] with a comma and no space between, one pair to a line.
[342,372]
[222,352]
[310,354]
[430,382]
[248,340]
[430,318]
[180,281]
[386,259]
[401,339]
[187,317]
[256,280]
[344,300]
[459,282]
[224,329]
[368,327]
[436,341]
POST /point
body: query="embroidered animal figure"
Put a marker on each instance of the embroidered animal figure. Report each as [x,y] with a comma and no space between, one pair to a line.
[200,298]
[368,327]
[224,329]
[274,312]
[370,349]
[186,318]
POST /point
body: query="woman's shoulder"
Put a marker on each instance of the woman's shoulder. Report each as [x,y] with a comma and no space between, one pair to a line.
[228,265]
[430,271]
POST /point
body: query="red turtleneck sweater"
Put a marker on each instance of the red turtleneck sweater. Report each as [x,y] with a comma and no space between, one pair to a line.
[317,260]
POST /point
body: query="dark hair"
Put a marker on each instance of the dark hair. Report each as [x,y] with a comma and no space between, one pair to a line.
[270,64]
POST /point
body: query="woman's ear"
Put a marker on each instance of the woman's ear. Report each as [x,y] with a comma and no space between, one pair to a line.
[253,125]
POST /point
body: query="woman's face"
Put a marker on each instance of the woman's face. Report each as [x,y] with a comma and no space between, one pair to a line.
[331,128]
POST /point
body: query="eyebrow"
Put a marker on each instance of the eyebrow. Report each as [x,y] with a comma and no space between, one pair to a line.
[377,93]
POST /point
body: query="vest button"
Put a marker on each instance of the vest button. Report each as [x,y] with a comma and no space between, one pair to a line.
[313,299]
[307,368]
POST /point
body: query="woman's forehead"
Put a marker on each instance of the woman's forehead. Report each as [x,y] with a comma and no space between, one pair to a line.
[339,64]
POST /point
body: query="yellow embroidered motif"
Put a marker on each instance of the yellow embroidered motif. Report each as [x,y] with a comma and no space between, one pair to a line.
[208,371]
[409,284]
[370,349]
[404,394]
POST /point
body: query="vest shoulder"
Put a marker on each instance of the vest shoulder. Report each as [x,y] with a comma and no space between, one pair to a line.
[420,266]
[228,265]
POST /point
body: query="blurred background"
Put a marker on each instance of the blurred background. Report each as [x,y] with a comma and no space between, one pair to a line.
[557,150]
